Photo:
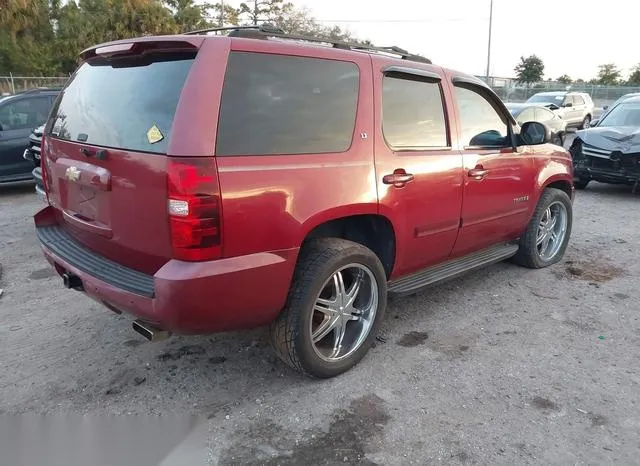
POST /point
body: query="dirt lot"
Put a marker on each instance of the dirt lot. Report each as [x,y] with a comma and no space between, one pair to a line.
[506,366]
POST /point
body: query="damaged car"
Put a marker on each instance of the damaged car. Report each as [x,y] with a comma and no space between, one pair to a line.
[609,152]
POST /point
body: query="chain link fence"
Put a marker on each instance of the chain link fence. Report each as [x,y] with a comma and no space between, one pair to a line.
[510,91]
[12,84]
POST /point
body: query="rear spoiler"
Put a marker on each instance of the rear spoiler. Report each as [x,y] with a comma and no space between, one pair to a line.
[142,45]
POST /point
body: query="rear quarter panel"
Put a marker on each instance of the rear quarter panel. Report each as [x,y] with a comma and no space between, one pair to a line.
[271,202]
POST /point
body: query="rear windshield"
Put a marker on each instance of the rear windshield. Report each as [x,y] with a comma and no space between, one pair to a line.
[126,103]
[276,105]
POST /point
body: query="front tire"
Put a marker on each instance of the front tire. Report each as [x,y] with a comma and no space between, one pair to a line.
[545,240]
[581,183]
[337,300]
[586,122]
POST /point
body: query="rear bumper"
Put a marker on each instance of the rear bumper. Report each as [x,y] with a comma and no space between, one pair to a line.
[182,297]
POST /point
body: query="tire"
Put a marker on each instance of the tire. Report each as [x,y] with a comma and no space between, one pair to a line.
[586,122]
[291,333]
[581,183]
[529,255]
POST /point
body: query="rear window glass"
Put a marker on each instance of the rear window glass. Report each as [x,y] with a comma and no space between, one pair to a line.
[276,104]
[126,104]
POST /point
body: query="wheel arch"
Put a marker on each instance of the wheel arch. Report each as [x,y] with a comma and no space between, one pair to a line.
[368,228]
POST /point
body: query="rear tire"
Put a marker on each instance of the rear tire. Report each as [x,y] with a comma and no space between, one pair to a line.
[311,309]
[544,242]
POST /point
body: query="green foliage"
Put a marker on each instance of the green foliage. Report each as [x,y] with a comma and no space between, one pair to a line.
[609,75]
[529,70]
[45,37]
[634,77]
[564,79]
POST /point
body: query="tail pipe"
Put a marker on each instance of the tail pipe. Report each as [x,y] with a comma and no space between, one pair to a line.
[149,331]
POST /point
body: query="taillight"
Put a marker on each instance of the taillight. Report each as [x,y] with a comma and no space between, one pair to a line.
[194,209]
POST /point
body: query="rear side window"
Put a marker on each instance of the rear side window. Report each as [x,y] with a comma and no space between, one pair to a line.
[412,113]
[277,105]
[125,103]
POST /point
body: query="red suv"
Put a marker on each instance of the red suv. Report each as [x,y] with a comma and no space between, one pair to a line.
[205,183]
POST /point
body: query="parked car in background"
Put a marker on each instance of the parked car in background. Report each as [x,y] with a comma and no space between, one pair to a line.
[265,181]
[576,108]
[20,113]
[32,153]
[524,112]
[607,108]
[610,151]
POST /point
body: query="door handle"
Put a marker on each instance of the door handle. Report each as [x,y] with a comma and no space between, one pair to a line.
[398,179]
[478,173]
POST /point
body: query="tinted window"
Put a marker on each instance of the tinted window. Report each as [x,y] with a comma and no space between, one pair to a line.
[578,100]
[25,113]
[542,115]
[480,122]
[412,113]
[116,103]
[276,104]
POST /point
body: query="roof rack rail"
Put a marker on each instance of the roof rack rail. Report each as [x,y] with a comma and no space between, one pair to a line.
[263,28]
[267,30]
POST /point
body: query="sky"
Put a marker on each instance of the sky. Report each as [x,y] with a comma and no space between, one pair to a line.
[570,36]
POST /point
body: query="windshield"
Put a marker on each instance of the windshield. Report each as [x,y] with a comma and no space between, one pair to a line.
[556,99]
[125,104]
[624,114]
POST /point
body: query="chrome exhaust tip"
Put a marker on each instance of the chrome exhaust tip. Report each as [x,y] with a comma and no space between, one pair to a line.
[150,332]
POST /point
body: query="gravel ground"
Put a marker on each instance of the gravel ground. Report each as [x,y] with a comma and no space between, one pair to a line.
[505,366]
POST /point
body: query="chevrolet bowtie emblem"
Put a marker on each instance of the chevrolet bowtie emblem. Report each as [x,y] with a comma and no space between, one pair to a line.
[72,174]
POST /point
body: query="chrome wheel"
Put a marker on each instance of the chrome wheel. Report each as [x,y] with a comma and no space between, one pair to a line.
[344,312]
[551,231]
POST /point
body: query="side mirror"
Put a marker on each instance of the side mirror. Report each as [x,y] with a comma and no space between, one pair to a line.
[604,107]
[568,105]
[595,122]
[534,133]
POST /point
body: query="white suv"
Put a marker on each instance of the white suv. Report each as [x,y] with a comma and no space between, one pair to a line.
[576,108]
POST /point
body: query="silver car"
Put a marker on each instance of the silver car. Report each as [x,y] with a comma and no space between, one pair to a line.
[576,108]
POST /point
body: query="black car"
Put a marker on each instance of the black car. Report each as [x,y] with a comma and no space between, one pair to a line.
[523,112]
[20,114]
[609,151]
[32,153]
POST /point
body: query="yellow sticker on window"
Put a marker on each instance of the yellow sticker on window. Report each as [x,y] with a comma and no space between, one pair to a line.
[154,135]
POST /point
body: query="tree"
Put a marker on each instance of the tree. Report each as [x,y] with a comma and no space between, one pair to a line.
[44,37]
[529,70]
[634,77]
[608,74]
[565,79]
[260,11]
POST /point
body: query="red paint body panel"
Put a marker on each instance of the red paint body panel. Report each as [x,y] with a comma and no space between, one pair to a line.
[425,212]
[117,207]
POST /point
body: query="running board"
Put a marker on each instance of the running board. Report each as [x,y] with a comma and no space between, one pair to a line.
[452,269]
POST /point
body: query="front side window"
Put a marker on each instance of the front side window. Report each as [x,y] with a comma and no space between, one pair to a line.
[26,113]
[278,105]
[578,100]
[481,124]
[412,113]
